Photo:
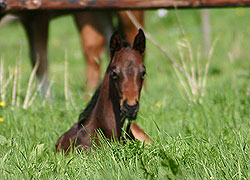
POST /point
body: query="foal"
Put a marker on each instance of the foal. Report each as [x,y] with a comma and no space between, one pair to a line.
[115,99]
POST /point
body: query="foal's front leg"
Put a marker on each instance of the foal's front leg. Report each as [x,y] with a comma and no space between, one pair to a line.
[134,132]
[139,134]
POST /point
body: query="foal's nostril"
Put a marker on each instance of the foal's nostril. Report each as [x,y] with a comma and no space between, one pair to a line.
[130,111]
[129,108]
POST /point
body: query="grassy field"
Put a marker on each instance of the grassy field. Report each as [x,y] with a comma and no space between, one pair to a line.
[208,140]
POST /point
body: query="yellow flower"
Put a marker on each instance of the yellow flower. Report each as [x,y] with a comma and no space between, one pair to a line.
[31,118]
[212,177]
[158,104]
[1,119]
[2,103]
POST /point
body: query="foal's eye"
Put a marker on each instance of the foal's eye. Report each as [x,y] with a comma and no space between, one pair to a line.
[114,75]
[113,72]
[143,73]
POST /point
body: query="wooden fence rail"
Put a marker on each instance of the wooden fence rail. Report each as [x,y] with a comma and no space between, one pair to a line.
[19,5]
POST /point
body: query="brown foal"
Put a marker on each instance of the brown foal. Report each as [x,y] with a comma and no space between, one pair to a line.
[115,99]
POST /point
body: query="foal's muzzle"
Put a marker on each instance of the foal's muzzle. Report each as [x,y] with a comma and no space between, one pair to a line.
[129,111]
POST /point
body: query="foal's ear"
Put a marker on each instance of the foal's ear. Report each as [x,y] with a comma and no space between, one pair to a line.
[115,43]
[139,42]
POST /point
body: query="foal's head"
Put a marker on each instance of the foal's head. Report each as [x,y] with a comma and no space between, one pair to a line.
[127,72]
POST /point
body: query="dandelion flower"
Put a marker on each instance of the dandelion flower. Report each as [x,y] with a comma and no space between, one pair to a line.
[1,119]
[158,104]
[212,177]
[2,104]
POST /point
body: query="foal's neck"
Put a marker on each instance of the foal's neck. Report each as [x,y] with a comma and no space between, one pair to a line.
[107,110]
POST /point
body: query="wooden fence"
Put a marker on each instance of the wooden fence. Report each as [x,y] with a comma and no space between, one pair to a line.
[20,5]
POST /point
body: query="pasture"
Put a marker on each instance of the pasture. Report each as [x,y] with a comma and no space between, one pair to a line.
[206,139]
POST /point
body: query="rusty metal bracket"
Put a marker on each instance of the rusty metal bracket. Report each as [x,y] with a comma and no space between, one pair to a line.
[33,4]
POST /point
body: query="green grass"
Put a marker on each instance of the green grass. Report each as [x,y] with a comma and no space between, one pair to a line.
[191,141]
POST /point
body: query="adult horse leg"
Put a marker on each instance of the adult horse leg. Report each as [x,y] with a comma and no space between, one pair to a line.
[36,27]
[93,39]
[127,27]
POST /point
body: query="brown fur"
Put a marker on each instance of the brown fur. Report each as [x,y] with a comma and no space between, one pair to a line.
[139,133]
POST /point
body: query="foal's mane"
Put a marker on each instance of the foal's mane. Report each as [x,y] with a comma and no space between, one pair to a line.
[84,114]
[90,106]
